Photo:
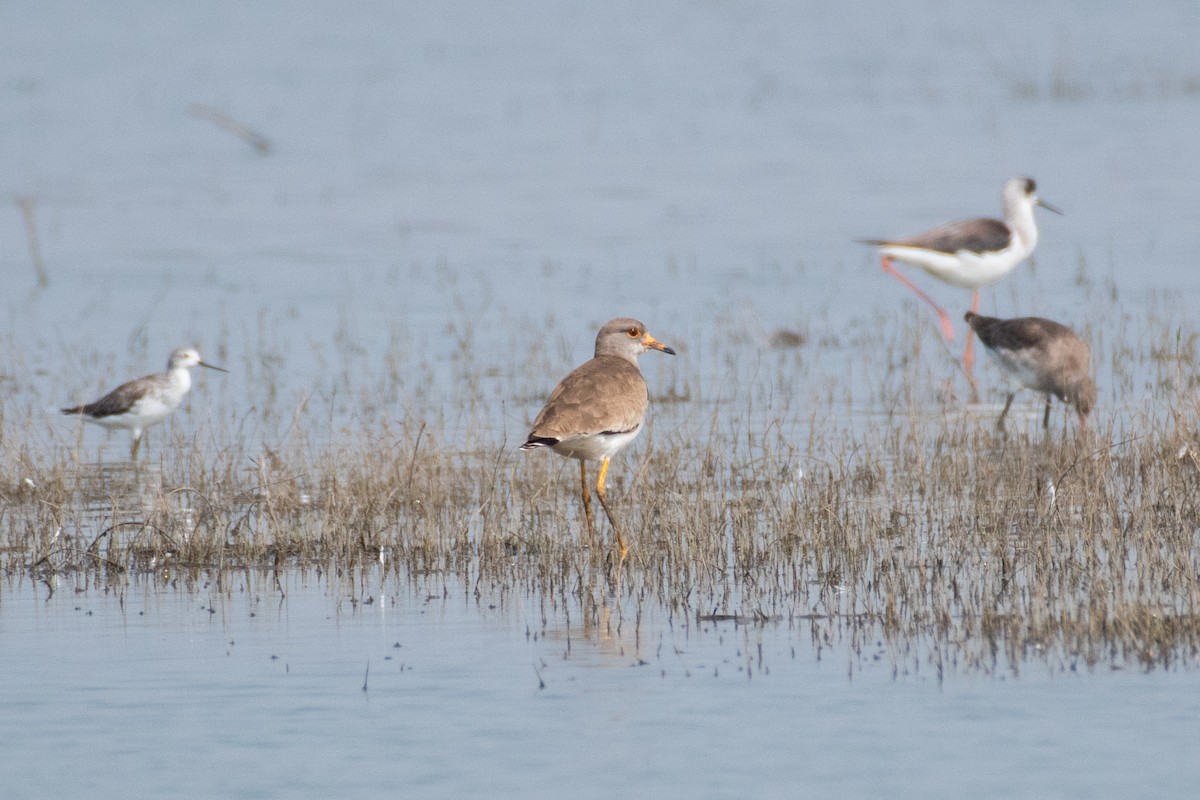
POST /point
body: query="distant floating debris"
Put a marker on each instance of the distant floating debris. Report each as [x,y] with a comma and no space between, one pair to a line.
[222,120]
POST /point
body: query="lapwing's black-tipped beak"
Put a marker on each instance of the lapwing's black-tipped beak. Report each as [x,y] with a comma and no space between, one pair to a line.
[655,344]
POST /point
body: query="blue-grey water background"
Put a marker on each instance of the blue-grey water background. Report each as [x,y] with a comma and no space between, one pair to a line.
[512,174]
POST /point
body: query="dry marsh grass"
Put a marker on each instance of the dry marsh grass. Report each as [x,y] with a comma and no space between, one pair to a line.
[900,518]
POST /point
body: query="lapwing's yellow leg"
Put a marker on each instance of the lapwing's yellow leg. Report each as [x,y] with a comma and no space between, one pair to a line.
[604,502]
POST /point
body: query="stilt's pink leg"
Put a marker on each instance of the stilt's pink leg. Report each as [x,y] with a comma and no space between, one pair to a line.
[969,353]
[947,328]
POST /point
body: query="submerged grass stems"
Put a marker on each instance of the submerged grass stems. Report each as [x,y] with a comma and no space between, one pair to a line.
[784,489]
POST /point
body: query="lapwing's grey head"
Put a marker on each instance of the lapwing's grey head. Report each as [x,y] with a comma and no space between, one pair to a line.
[627,338]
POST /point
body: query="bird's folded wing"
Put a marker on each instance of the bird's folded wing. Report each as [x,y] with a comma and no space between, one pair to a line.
[605,395]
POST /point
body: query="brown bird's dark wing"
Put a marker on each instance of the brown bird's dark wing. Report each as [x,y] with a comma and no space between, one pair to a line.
[1018,334]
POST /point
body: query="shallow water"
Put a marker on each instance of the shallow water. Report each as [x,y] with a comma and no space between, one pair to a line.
[166,688]
[461,188]
[455,197]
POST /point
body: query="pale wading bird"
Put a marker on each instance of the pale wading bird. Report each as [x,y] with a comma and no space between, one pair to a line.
[971,253]
[1042,355]
[598,409]
[144,401]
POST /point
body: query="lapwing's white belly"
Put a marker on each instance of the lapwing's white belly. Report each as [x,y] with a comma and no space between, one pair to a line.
[596,447]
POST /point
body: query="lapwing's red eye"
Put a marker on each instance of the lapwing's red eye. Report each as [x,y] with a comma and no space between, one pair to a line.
[633,333]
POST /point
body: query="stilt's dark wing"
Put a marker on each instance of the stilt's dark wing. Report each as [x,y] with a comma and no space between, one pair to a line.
[973,235]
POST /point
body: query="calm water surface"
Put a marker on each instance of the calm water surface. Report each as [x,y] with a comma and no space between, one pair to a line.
[160,690]
[511,176]
[518,175]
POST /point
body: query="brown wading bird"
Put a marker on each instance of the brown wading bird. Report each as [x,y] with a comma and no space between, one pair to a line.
[145,401]
[972,253]
[597,410]
[1042,355]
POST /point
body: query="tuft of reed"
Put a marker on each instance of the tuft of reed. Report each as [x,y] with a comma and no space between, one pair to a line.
[898,518]
[27,205]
